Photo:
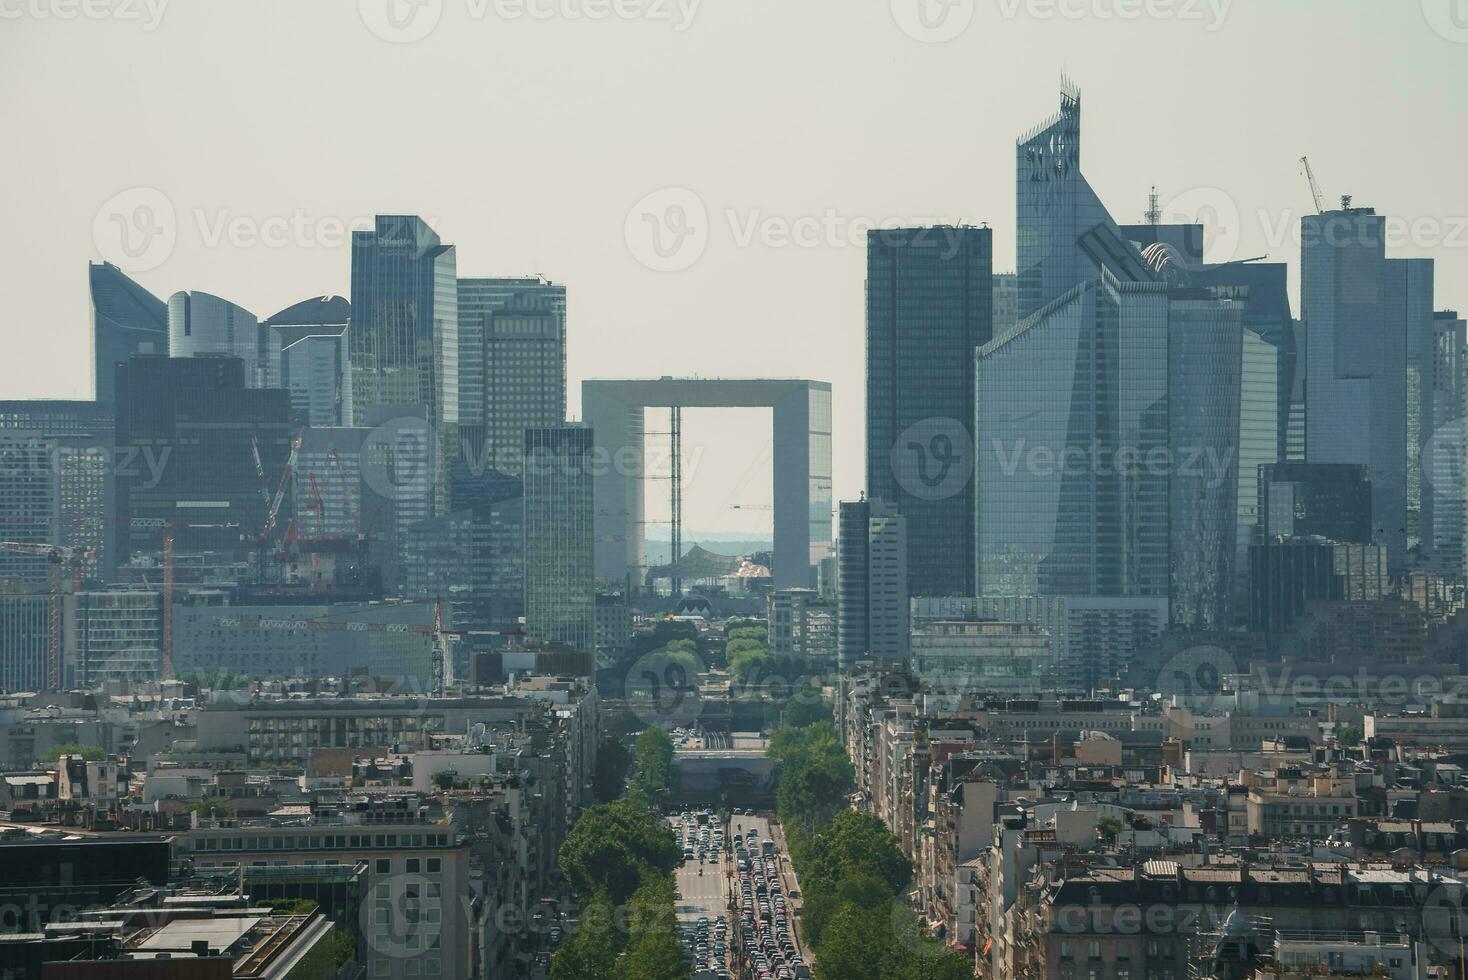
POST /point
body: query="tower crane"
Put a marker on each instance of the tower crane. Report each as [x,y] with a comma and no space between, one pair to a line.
[56,557]
[1314,186]
[169,530]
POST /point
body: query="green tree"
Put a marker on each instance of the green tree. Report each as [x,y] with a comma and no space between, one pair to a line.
[654,754]
[854,945]
[806,709]
[591,951]
[747,666]
[90,753]
[1349,735]
[210,809]
[1108,827]
[613,761]
[613,846]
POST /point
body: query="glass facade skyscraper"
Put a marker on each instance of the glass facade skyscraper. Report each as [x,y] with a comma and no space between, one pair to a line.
[405,332]
[126,320]
[560,587]
[1071,412]
[1441,369]
[1358,306]
[1064,234]
[199,323]
[1223,409]
[512,365]
[405,318]
[929,305]
[313,340]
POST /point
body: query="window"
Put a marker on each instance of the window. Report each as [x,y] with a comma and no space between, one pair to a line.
[434,865]
[411,866]
[384,866]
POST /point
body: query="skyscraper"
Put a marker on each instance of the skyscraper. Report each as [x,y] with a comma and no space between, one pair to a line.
[560,587]
[405,318]
[929,305]
[1071,413]
[126,320]
[199,323]
[193,427]
[1359,308]
[512,365]
[312,338]
[1439,363]
[872,615]
[1222,415]
[82,460]
[1326,500]
[29,508]
[1064,234]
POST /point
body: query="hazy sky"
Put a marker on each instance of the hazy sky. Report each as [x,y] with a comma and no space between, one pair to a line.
[544,136]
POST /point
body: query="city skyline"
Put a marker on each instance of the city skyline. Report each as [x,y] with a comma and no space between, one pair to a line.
[629,320]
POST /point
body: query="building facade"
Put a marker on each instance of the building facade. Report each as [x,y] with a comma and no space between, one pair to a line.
[930,303]
[314,346]
[512,365]
[126,320]
[560,587]
[1359,308]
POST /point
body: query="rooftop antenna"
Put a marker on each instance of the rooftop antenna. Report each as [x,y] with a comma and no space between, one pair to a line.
[1154,210]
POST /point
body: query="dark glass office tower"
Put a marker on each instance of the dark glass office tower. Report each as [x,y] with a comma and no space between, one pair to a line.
[1315,500]
[189,426]
[405,330]
[405,318]
[1359,309]
[1064,234]
[126,320]
[929,306]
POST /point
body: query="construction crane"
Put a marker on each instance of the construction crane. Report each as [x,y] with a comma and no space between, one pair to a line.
[1314,186]
[56,557]
[169,529]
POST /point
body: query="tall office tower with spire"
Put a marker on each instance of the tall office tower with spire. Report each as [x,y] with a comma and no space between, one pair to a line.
[1064,234]
[126,320]
[929,305]
[1360,308]
[405,331]
[512,365]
